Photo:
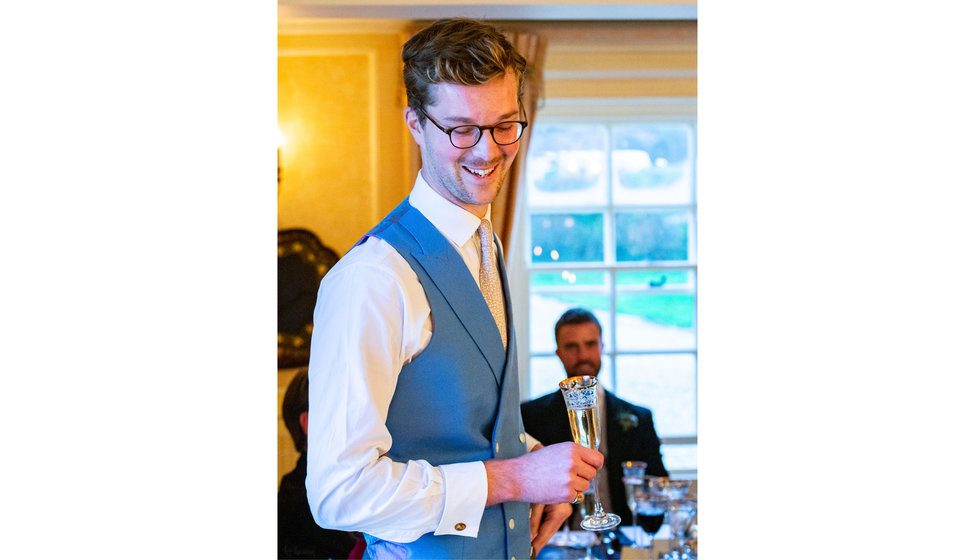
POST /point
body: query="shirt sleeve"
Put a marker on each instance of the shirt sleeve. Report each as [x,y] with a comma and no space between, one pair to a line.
[467,484]
[371,318]
[530,441]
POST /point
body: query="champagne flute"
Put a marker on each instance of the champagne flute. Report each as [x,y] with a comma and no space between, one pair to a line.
[580,401]
[633,472]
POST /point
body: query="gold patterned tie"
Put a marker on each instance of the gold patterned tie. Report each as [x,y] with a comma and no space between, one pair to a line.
[490,280]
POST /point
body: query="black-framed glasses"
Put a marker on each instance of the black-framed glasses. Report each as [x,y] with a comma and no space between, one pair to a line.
[468,135]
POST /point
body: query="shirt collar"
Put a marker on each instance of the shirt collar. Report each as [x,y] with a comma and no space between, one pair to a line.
[456,224]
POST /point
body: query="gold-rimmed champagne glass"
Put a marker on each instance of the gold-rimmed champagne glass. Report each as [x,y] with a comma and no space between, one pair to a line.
[580,402]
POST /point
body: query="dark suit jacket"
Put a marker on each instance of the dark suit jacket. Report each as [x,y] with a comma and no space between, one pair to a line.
[630,437]
[299,535]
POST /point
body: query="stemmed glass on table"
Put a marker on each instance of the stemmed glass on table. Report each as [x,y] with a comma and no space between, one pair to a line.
[580,402]
[650,510]
[633,472]
[679,516]
[678,508]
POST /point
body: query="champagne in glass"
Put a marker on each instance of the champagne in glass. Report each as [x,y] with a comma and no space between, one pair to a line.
[580,401]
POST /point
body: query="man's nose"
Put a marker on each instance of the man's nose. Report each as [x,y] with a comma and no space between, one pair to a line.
[486,147]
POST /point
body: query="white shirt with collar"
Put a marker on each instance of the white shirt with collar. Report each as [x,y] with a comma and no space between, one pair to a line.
[371,318]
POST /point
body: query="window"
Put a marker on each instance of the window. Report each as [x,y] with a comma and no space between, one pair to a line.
[608,223]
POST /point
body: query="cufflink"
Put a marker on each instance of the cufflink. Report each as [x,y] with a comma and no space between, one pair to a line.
[523,439]
[460,526]
[511,524]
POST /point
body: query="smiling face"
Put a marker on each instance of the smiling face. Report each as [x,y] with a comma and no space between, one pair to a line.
[580,349]
[469,178]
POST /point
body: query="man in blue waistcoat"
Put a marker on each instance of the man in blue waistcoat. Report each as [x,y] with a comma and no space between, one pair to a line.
[415,431]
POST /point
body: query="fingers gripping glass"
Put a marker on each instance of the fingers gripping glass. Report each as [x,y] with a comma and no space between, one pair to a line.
[468,135]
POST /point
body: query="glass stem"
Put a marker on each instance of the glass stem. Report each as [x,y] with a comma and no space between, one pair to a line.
[595,493]
[675,536]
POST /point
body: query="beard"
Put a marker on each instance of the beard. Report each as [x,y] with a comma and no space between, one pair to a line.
[585,367]
[452,178]
[468,189]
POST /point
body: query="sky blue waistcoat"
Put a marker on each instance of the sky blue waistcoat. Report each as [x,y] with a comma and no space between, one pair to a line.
[458,400]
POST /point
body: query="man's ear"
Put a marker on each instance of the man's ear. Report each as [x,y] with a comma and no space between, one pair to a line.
[304,422]
[414,125]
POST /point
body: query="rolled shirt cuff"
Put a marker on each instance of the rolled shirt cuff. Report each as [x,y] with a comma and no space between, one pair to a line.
[465,491]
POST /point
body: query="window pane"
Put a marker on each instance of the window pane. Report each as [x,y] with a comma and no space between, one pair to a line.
[655,310]
[664,383]
[567,165]
[679,456]
[547,373]
[553,293]
[566,238]
[653,236]
[653,164]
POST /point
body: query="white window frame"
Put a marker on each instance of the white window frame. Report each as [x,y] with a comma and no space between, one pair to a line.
[607,111]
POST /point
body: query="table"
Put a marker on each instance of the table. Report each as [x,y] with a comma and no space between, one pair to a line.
[624,543]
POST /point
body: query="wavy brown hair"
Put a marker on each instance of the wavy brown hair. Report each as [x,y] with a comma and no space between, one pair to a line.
[459,51]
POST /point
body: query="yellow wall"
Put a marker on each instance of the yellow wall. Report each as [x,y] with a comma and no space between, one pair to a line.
[344,158]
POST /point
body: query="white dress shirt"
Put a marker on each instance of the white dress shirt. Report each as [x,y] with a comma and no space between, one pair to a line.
[371,318]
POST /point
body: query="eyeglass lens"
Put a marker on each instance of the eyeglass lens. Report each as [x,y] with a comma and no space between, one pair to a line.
[503,134]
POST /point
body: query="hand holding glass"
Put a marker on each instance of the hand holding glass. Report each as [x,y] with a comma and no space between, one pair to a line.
[580,402]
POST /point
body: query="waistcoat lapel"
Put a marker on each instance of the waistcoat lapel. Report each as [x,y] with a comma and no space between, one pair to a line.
[448,272]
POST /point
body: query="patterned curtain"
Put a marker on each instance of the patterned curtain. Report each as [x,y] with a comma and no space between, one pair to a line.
[532,47]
